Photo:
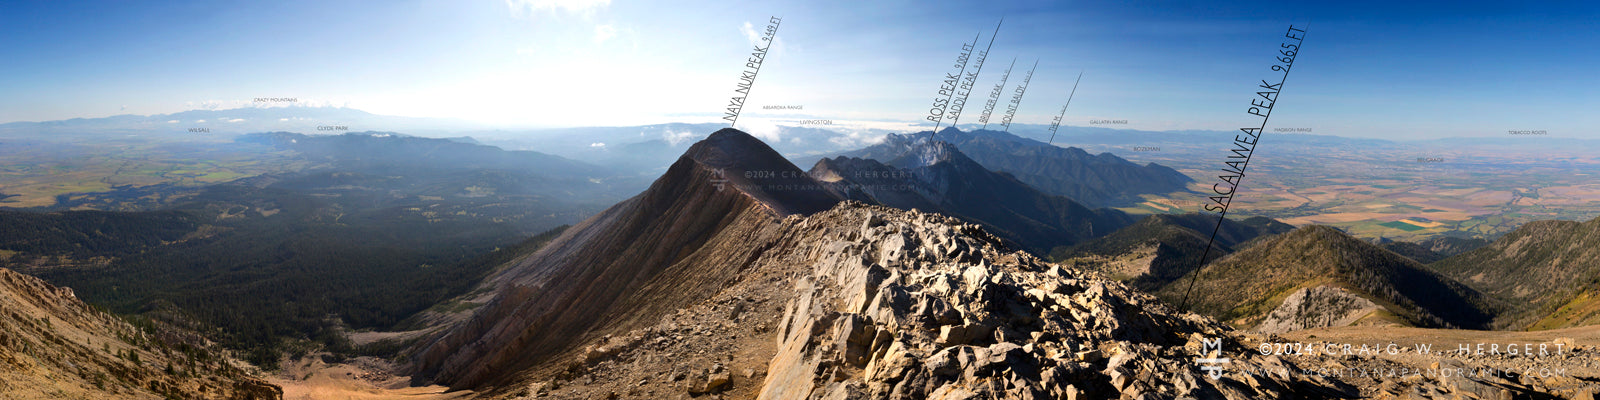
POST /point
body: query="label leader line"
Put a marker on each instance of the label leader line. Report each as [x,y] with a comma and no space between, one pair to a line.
[1245,148]
[970,81]
[951,83]
[747,79]
[1057,122]
[1016,100]
[994,96]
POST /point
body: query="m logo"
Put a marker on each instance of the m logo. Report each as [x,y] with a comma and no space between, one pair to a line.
[1211,363]
[720,180]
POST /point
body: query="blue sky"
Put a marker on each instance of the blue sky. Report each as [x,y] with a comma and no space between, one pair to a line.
[1369,69]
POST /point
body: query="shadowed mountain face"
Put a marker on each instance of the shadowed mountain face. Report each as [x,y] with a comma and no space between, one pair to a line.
[659,251]
[1248,284]
[1446,246]
[1549,271]
[935,176]
[1412,251]
[1102,180]
[1159,249]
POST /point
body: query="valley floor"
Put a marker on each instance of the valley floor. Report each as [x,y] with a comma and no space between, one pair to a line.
[362,378]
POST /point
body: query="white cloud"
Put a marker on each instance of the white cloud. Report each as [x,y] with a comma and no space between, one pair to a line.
[674,138]
[764,129]
[857,138]
[199,121]
[775,50]
[604,32]
[527,8]
[597,144]
[265,103]
[750,34]
[282,119]
[172,121]
[236,120]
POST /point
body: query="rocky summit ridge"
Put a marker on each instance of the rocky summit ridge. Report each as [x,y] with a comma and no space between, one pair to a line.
[865,301]
[688,292]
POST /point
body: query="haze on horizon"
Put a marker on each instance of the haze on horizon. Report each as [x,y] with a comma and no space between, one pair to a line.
[1368,70]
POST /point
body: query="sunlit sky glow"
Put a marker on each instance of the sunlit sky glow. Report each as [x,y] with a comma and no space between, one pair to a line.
[1378,69]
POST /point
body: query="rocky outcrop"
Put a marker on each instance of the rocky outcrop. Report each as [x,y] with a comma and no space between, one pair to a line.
[53,345]
[912,305]
[1317,307]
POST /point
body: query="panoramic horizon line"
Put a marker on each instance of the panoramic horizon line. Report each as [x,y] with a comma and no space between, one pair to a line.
[484,126]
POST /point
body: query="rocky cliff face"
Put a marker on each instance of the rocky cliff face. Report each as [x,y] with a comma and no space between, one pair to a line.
[912,305]
[1317,307]
[53,345]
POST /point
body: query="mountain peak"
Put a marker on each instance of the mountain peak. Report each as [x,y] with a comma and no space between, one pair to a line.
[732,159]
[729,147]
[924,152]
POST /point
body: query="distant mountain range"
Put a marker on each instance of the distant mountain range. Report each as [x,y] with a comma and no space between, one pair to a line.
[936,176]
[368,228]
[388,150]
[650,149]
[1102,180]
[214,125]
